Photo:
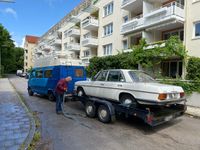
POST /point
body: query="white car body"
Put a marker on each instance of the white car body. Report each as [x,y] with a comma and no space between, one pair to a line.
[142,92]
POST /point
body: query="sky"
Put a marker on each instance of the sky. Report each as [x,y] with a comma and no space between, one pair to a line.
[33,17]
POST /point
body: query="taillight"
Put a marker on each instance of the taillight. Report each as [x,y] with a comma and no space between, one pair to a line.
[182,94]
[162,96]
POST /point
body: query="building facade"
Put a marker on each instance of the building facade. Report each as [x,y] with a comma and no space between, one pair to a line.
[107,27]
[29,44]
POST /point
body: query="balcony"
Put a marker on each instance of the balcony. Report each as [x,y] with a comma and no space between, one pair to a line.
[73,47]
[56,42]
[170,14]
[86,59]
[90,24]
[73,32]
[90,42]
[46,48]
[130,5]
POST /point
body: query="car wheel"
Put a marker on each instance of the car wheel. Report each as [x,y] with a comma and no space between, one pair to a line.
[128,99]
[30,92]
[104,114]
[80,92]
[51,96]
[90,109]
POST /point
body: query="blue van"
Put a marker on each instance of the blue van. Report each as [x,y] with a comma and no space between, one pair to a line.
[43,80]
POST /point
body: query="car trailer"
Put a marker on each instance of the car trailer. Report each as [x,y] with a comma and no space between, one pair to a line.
[106,110]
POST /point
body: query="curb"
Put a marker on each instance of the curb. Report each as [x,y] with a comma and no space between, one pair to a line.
[32,130]
[193,111]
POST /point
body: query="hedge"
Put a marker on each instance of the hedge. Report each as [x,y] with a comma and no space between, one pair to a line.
[193,69]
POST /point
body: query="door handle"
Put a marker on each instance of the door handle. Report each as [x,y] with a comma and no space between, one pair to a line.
[119,85]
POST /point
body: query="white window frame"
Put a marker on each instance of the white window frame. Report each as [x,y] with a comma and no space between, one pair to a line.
[86,53]
[194,30]
[108,29]
[107,49]
[124,45]
[108,9]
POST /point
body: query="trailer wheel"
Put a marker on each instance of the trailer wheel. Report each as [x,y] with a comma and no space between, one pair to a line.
[80,91]
[51,96]
[90,109]
[104,114]
[128,99]
[30,92]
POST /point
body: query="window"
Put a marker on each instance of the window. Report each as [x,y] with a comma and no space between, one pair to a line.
[78,72]
[108,9]
[32,74]
[115,76]
[179,33]
[125,18]
[86,36]
[107,49]
[197,29]
[108,29]
[102,76]
[48,74]
[39,74]
[125,44]
[86,53]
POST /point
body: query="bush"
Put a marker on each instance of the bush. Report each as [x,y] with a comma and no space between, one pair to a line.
[193,69]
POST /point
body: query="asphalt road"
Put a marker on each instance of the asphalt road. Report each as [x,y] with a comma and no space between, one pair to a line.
[60,133]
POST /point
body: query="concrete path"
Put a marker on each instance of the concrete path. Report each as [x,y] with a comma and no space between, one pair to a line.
[14,121]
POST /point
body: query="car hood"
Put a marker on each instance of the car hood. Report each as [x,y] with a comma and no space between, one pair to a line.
[159,88]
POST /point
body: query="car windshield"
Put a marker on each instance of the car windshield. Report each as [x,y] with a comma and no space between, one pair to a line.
[139,76]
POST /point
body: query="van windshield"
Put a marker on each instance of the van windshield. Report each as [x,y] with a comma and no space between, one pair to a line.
[139,76]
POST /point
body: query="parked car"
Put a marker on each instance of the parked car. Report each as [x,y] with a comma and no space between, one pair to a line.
[43,80]
[19,72]
[22,74]
[130,86]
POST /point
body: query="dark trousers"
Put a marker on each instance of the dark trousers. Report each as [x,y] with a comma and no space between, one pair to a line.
[59,100]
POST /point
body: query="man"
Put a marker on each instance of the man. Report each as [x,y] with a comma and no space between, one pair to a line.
[61,88]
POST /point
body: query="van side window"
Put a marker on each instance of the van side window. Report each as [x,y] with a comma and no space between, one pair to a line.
[48,74]
[39,74]
[78,72]
[32,74]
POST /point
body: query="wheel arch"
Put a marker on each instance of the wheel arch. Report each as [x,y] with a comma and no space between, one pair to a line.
[126,93]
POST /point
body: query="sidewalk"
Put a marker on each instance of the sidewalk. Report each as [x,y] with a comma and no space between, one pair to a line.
[14,121]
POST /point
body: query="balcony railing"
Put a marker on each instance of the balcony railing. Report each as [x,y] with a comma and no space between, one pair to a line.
[73,32]
[73,47]
[90,23]
[90,42]
[46,48]
[56,41]
[164,15]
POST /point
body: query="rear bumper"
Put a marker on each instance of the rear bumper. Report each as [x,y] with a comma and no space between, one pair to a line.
[160,103]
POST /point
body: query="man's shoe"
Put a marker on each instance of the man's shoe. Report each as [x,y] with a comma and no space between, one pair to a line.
[59,112]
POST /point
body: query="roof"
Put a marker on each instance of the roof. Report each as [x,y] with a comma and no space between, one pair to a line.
[31,39]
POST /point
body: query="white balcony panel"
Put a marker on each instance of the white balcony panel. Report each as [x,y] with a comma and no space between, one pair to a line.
[90,24]
[56,42]
[73,47]
[132,5]
[169,14]
[90,42]
[46,48]
[74,33]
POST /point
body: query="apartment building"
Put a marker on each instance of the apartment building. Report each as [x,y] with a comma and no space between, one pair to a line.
[29,44]
[192,27]
[107,27]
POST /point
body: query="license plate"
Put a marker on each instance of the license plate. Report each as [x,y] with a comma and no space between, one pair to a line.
[168,118]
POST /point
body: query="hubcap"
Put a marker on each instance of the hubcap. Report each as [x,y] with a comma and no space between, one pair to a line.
[103,114]
[89,109]
[127,101]
[80,93]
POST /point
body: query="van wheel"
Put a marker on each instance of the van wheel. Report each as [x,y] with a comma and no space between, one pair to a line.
[90,109]
[128,99]
[80,92]
[104,114]
[30,92]
[51,96]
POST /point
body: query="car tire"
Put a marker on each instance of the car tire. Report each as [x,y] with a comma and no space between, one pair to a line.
[80,92]
[128,99]
[104,114]
[51,96]
[30,92]
[90,109]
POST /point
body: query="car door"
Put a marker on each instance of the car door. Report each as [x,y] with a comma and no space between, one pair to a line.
[114,84]
[96,86]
